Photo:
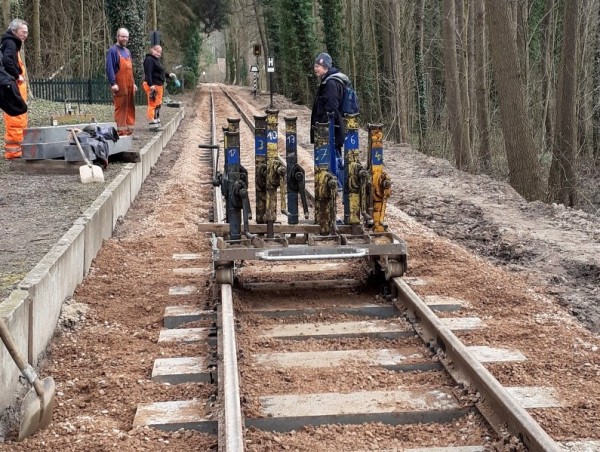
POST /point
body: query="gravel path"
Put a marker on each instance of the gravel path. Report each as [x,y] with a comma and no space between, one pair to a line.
[37,209]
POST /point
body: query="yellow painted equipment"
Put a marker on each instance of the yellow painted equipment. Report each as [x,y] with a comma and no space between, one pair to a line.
[276,173]
[380,188]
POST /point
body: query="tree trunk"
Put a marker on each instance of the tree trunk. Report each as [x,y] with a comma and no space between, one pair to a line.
[563,180]
[522,9]
[370,31]
[37,39]
[453,100]
[547,65]
[350,28]
[397,73]
[463,80]
[421,95]
[154,16]
[471,74]
[596,95]
[582,79]
[524,167]
[482,95]
[82,43]
[5,13]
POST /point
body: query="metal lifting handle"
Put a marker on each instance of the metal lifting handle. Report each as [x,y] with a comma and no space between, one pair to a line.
[266,256]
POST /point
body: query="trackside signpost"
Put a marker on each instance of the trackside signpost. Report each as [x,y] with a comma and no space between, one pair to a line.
[254,70]
[270,70]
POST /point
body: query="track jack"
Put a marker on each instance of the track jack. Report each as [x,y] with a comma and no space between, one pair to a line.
[380,187]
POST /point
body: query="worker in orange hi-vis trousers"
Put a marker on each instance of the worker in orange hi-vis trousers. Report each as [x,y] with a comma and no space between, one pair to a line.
[10,46]
[119,71]
[154,81]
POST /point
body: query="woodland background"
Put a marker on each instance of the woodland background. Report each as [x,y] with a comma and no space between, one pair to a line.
[504,87]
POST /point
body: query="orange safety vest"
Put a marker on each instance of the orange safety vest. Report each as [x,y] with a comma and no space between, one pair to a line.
[16,125]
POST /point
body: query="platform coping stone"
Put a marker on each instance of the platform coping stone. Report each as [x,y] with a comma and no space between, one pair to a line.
[183,335]
[182,290]
[187,257]
[384,357]
[192,271]
[534,396]
[485,354]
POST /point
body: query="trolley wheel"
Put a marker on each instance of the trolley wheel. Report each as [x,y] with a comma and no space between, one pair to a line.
[393,270]
[224,275]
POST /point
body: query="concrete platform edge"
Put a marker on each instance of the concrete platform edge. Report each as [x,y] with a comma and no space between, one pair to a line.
[32,311]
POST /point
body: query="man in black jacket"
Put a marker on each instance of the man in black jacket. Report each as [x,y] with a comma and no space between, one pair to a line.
[154,81]
[13,64]
[329,98]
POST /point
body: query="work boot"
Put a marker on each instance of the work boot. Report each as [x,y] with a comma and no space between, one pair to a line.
[153,125]
[9,155]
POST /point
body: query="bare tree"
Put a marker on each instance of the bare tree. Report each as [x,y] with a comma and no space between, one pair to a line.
[462,155]
[563,180]
[596,96]
[463,76]
[419,71]
[37,39]
[548,26]
[5,13]
[483,118]
[393,50]
[525,170]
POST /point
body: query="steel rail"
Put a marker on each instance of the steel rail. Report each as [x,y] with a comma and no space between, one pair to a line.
[309,193]
[498,407]
[231,438]
[219,211]
[233,426]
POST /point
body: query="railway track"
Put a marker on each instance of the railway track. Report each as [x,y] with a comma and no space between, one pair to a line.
[327,353]
[289,387]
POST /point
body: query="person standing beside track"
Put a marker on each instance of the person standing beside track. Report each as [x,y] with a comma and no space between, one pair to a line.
[10,47]
[119,71]
[328,99]
[154,81]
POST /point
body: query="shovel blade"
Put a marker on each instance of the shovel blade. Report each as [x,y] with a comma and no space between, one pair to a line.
[97,174]
[86,174]
[36,410]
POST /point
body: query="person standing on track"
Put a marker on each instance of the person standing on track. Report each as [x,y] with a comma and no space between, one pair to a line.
[154,81]
[10,47]
[119,71]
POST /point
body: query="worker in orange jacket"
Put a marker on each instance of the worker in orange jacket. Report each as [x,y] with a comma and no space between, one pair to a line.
[154,81]
[10,46]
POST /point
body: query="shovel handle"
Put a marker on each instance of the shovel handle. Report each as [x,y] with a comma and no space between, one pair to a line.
[74,133]
[26,369]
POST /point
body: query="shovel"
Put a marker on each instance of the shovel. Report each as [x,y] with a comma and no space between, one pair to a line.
[36,410]
[88,172]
